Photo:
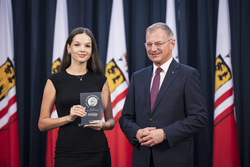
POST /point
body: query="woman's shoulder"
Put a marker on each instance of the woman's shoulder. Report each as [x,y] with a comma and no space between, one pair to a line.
[56,77]
[97,76]
[97,79]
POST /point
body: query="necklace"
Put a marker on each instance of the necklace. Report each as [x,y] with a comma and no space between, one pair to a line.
[80,77]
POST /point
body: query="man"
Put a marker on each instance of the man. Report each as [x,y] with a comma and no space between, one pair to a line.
[161,131]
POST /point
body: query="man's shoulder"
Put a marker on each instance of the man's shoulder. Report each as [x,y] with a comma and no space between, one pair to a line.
[186,67]
[143,70]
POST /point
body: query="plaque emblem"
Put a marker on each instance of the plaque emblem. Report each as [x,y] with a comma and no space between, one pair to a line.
[92,101]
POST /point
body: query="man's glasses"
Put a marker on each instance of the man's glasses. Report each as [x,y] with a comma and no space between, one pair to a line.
[157,44]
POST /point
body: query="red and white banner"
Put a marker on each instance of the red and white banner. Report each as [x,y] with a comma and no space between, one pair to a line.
[171,22]
[117,75]
[225,142]
[60,37]
[9,140]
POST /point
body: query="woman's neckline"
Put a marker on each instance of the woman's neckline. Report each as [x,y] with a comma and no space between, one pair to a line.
[80,77]
[77,75]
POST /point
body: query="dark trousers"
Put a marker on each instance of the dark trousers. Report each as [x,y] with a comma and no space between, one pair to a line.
[151,159]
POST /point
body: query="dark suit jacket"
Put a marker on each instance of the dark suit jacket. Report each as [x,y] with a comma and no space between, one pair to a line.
[179,110]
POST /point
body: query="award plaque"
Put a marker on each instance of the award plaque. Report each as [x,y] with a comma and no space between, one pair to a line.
[93,103]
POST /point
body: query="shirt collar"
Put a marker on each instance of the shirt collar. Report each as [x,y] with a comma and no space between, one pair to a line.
[164,66]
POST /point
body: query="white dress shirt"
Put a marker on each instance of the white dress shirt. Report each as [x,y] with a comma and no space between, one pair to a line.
[163,73]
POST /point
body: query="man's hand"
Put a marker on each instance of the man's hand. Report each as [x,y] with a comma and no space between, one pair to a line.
[141,133]
[150,136]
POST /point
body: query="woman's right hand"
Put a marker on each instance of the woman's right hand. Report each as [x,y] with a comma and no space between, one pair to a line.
[77,111]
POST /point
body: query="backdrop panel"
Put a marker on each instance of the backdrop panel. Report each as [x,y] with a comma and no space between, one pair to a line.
[196,28]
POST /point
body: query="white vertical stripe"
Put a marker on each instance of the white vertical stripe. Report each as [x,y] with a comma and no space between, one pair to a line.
[60,34]
[171,22]
[117,41]
[223,45]
[223,48]
[117,49]
[6,31]
[6,51]
[61,29]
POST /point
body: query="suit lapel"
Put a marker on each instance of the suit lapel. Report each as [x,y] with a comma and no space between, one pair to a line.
[147,77]
[169,78]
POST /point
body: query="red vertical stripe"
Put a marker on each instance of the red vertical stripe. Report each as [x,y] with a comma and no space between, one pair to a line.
[50,149]
[120,148]
[9,144]
[225,143]
[51,144]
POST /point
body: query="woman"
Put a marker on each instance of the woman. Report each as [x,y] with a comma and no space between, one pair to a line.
[80,72]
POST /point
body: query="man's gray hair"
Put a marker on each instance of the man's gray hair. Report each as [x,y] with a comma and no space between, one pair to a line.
[163,26]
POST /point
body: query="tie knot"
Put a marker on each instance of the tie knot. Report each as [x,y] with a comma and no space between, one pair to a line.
[158,70]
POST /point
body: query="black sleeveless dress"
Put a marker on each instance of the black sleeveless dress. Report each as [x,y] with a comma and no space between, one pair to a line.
[77,146]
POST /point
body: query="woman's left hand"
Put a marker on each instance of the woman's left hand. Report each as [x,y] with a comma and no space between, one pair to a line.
[96,125]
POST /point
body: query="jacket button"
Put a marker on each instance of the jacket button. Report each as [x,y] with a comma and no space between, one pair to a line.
[150,119]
